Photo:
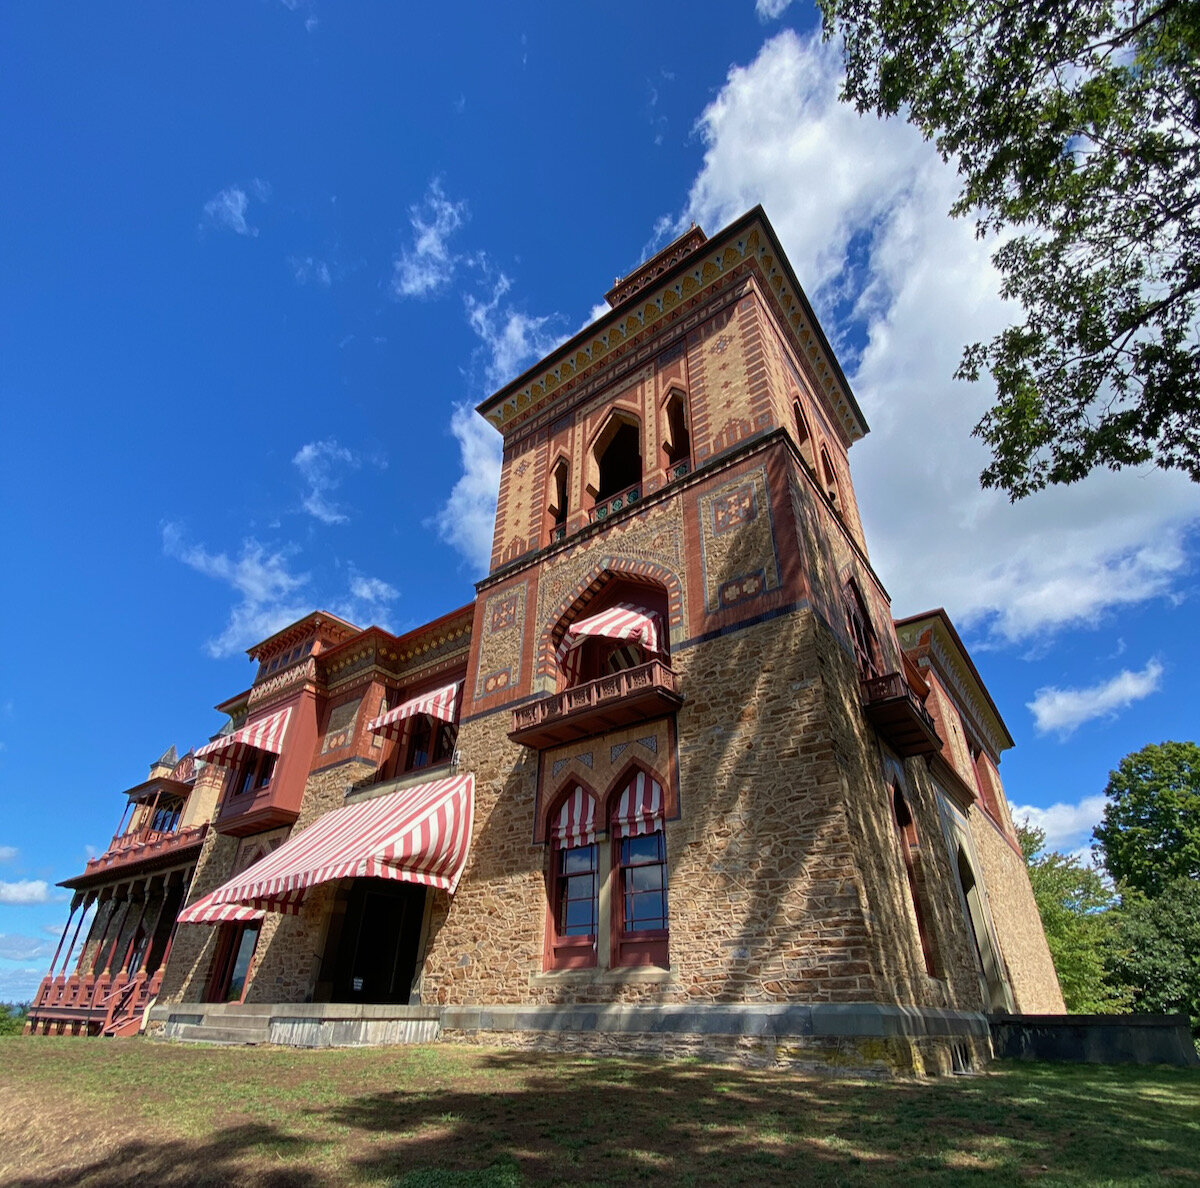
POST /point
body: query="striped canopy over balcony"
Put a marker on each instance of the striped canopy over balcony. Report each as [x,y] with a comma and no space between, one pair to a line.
[419,835]
[622,620]
[264,735]
[441,703]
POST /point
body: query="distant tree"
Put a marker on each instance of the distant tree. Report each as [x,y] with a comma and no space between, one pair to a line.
[12,1017]
[1077,910]
[1150,834]
[1075,128]
[1158,957]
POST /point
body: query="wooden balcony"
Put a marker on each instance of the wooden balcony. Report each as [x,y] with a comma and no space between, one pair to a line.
[634,695]
[898,716]
[145,847]
[110,1004]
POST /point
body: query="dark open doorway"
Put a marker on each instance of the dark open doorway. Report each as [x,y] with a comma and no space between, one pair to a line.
[374,955]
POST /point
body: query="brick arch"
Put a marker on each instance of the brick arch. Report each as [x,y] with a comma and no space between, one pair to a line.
[604,571]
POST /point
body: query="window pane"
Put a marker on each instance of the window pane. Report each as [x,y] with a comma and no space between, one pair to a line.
[266,771]
[648,848]
[241,964]
[580,918]
[645,911]
[645,878]
[578,860]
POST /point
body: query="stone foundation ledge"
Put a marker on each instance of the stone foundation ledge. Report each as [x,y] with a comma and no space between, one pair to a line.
[320,1024]
[780,1020]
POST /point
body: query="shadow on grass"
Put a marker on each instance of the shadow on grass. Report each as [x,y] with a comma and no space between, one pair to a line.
[506,1119]
[234,1155]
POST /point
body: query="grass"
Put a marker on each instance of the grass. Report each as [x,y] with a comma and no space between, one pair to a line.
[108,1113]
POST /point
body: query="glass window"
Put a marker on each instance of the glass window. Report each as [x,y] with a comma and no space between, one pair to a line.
[241,964]
[643,883]
[576,908]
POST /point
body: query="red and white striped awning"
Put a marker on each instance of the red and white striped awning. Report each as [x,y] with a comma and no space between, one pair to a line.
[575,824]
[622,620]
[264,735]
[441,703]
[418,835]
[207,911]
[640,809]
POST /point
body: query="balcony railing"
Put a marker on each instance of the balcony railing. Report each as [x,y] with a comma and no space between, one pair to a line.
[613,505]
[144,844]
[635,694]
[898,715]
[107,1004]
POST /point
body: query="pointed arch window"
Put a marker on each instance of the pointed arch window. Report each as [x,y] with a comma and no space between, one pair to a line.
[640,916]
[558,505]
[572,921]
[804,438]
[677,443]
[616,457]
[910,846]
[830,479]
[862,634]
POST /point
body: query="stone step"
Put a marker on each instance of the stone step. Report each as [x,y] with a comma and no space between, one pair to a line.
[211,1034]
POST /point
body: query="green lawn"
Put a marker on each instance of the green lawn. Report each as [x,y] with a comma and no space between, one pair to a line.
[105,1112]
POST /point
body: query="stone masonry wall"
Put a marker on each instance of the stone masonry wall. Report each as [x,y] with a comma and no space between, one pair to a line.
[1015,918]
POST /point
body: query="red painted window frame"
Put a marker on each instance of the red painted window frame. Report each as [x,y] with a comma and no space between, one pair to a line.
[569,952]
[646,946]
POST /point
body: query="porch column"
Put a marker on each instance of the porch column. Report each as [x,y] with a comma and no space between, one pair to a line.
[88,899]
[76,899]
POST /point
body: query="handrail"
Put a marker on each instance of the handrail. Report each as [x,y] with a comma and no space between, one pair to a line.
[892,687]
[602,510]
[124,844]
[597,692]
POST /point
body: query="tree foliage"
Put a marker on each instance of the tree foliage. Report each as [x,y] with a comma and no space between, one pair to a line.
[1158,956]
[1075,128]
[1150,834]
[1076,906]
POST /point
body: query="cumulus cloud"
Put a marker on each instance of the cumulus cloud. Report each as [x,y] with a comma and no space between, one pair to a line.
[19,985]
[229,208]
[25,892]
[318,462]
[770,10]
[8,853]
[369,600]
[1063,711]
[261,577]
[427,266]
[1068,827]
[466,520]
[23,948]
[860,206]
[511,339]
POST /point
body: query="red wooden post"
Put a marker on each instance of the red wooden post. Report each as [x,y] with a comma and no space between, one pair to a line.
[88,900]
[75,901]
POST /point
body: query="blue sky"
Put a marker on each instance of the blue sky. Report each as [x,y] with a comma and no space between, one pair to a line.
[258,260]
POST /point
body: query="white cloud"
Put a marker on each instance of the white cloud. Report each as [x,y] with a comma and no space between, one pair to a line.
[369,600]
[308,268]
[260,576]
[229,208]
[317,462]
[1063,711]
[25,892]
[8,853]
[770,10]
[1068,827]
[19,985]
[428,265]
[860,206]
[511,339]
[23,948]
[466,520]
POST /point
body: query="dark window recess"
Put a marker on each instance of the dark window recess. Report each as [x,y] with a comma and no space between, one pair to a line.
[862,634]
[558,503]
[235,951]
[166,820]
[620,463]
[254,773]
[374,943]
[430,741]
[678,446]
